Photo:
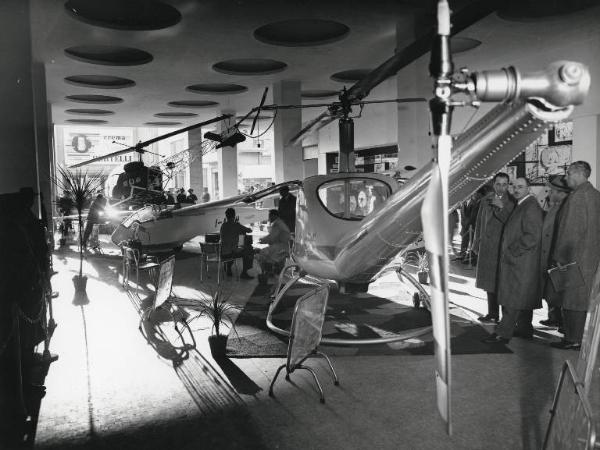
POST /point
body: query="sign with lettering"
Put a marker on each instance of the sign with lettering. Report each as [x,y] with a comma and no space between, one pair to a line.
[84,143]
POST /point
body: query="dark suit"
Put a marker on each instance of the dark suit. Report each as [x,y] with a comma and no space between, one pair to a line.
[488,232]
[287,211]
[519,290]
[578,239]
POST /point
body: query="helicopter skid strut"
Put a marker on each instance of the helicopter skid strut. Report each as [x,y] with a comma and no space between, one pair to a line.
[295,275]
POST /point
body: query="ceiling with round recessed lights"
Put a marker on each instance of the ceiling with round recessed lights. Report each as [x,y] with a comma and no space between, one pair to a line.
[352,75]
[125,15]
[162,124]
[217,88]
[153,56]
[301,32]
[87,121]
[94,99]
[100,81]
[89,112]
[175,114]
[193,103]
[108,55]
[249,66]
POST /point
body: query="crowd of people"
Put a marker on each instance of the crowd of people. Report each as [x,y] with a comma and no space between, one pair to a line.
[526,254]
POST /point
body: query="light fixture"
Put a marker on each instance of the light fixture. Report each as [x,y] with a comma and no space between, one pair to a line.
[228,139]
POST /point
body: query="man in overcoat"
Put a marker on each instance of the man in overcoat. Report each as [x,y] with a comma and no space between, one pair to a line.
[518,276]
[559,190]
[494,210]
[578,240]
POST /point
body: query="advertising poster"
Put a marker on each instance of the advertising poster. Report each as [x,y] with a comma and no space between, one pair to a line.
[84,143]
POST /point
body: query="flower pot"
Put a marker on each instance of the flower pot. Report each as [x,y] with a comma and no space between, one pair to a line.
[218,346]
[423,277]
[80,283]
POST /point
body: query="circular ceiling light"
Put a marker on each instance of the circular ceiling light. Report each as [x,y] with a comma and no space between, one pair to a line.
[318,93]
[90,112]
[94,98]
[301,32]
[162,124]
[217,88]
[108,55]
[460,44]
[352,75]
[249,66]
[100,81]
[87,121]
[175,114]
[193,104]
[125,15]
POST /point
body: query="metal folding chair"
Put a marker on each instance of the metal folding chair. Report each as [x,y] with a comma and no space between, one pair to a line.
[305,336]
[211,253]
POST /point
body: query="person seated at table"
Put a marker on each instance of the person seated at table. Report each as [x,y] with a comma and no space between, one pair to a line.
[278,241]
[231,230]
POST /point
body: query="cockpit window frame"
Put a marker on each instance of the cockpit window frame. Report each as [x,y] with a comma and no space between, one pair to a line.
[347,181]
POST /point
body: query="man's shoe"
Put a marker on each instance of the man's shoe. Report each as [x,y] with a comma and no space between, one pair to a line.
[245,276]
[495,339]
[561,330]
[488,319]
[566,345]
[549,323]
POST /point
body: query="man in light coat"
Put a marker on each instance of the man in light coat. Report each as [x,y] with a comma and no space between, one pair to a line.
[578,240]
[518,276]
[559,190]
[494,210]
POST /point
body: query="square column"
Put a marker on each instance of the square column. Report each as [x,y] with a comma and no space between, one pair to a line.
[227,162]
[287,157]
[195,145]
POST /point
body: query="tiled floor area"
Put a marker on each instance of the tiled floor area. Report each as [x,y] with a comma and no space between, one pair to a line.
[111,389]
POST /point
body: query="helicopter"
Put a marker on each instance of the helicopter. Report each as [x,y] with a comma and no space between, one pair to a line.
[138,184]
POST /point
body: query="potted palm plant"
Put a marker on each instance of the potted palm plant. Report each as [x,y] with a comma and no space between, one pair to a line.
[219,311]
[423,267]
[80,186]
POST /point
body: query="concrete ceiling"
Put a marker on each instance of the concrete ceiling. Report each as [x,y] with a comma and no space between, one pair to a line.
[199,36]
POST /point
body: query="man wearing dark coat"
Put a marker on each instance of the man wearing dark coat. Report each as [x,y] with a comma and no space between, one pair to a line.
[577,240]
[494,210]
[518,275]
[93,217]
[287,208]
[559,190]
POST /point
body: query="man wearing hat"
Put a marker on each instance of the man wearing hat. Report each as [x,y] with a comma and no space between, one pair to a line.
[192,198]
[559,190]
[577,241]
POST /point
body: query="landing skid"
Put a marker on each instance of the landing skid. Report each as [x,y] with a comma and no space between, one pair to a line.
[292,274]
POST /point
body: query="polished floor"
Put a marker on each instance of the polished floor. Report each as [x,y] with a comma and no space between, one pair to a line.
[111,388]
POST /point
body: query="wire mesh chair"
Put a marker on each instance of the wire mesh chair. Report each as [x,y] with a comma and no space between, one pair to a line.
[133,259]
[305,336]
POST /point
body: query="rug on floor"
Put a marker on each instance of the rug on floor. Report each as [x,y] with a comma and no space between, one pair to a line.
[351,316]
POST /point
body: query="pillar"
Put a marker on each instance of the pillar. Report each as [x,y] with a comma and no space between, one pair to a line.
[287,157]
[17,129]
[195,145]
[227,162]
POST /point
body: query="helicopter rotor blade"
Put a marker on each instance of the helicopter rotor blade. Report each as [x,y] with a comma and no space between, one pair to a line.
[141,145]
[323,119]
[262,102]
[460,20]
